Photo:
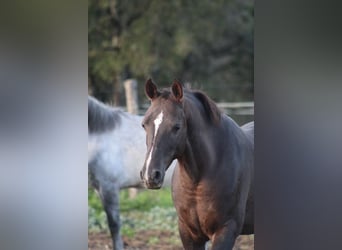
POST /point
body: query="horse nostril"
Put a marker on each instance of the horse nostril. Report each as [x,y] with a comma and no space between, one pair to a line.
[156,175]
[141,175]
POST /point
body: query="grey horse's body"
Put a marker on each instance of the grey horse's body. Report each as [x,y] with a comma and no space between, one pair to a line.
[116,150]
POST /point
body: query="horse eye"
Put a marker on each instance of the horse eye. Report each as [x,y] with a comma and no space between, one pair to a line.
[176,128]
[143,125]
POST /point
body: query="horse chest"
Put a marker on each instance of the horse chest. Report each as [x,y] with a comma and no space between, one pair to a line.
[201,214]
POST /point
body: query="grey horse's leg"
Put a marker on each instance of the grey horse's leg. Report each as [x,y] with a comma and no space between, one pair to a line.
[110,201]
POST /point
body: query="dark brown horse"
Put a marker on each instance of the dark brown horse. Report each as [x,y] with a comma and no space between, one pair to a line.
[212,186]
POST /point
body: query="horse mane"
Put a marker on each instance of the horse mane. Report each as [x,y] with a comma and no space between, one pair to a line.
[101,117]
[212,111]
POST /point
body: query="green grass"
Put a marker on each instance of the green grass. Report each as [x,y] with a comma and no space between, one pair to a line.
[145,200]
[150,209]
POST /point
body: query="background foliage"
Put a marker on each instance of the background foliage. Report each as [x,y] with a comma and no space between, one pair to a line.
[207,43]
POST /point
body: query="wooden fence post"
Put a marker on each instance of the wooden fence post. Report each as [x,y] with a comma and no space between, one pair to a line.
[131,91]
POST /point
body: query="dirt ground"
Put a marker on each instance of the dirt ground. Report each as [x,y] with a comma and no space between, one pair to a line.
[102,241]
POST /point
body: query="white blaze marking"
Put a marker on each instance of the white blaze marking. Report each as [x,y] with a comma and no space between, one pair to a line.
[157,123]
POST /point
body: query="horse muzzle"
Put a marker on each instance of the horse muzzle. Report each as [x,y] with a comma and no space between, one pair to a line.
[155,179]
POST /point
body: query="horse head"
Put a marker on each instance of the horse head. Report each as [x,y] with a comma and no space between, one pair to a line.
[165,126]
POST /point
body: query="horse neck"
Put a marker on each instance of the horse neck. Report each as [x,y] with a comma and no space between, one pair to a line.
[199,144]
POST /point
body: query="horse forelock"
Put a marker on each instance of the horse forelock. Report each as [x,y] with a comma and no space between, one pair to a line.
[101,117]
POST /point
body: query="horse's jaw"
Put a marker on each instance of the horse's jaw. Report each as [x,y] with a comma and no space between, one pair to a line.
[153,185]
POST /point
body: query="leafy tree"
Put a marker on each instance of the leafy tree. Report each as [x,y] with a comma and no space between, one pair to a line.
[208,43]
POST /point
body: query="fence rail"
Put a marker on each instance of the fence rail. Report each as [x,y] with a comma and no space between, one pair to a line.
[231,108]
[237,108]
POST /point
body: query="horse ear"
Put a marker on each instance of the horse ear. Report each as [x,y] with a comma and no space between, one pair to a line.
[177,90]
[151,89]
